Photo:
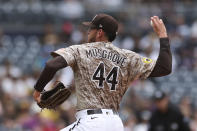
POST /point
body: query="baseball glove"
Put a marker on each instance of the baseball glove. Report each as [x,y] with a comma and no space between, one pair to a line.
[54,97]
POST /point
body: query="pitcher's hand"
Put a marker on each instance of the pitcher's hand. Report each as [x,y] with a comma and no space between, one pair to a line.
[159,27]
[36,96]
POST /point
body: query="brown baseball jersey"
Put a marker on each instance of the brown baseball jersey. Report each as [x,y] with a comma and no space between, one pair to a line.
[102,73]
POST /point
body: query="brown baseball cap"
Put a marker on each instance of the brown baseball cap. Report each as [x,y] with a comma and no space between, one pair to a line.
[105,22]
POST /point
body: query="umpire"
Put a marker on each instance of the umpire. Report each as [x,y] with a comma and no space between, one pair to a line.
[166,117]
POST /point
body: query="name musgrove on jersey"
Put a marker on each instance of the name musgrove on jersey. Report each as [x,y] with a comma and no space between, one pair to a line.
[112,56]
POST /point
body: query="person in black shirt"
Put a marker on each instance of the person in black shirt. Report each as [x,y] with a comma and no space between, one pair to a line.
[166,117]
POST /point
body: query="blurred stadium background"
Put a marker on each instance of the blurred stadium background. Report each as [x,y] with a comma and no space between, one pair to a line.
[31,29]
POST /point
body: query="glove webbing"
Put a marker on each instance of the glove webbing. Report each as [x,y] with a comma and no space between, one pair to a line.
[59,98]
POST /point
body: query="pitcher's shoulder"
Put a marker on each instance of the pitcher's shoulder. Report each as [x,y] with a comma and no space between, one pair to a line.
[128,52]
[92,43]
[89,45]
[76,47]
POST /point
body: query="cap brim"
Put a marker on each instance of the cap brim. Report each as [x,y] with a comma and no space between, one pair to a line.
[87,23]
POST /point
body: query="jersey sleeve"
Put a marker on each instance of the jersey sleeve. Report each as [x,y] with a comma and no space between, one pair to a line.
[141,67]
[69,54]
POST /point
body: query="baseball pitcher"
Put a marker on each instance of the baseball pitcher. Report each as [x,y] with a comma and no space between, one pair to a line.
[103,71]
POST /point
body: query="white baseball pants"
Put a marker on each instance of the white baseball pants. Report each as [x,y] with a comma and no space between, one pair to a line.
[106,120]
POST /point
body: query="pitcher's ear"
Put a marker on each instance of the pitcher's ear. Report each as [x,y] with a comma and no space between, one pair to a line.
[101,32]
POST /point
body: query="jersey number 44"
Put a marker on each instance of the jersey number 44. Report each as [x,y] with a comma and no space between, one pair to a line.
[110,79]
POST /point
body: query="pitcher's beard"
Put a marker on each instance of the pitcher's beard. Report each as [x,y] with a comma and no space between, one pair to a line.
[93,39]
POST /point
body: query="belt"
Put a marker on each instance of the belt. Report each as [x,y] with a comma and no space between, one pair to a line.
[101,111]
[86,112]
